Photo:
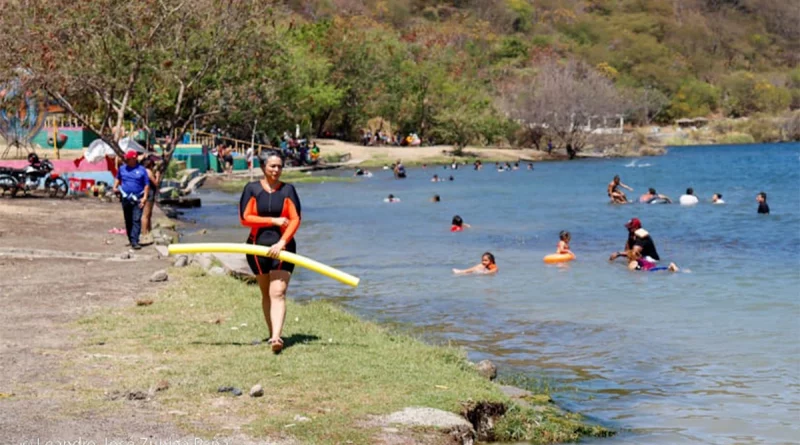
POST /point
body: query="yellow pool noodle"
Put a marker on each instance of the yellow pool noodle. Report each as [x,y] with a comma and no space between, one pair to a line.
[255,249]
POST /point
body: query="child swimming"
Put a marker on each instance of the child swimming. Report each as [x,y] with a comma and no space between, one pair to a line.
[488,266]
[563,244]
[458,224]
[636,262]
[391,198]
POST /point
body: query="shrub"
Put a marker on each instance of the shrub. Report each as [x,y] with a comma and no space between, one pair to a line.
[736,138]
[694,99]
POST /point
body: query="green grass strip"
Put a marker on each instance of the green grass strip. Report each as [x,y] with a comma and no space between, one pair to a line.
[336,370]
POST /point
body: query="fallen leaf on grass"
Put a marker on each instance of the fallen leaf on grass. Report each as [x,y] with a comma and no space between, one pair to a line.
[440,387]
[144,302]
[217,321]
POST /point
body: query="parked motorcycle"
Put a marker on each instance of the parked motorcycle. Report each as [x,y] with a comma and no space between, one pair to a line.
[30,178]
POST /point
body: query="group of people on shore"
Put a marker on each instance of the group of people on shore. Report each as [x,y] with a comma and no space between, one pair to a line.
[689,198]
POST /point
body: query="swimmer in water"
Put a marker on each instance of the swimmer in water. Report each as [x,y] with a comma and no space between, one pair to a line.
[563,244]
[451,178]
[435,178]
[717,199]
[616,195]
[458,224]
[652,197]
[636,262]
[488,266]
[436,198]
[391,198]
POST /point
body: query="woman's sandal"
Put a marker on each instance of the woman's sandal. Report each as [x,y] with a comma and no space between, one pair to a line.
[276,344]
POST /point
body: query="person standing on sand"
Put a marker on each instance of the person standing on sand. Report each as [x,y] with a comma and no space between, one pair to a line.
[133,185]
[271,209]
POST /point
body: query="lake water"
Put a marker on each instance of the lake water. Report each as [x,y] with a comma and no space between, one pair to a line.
[706,356]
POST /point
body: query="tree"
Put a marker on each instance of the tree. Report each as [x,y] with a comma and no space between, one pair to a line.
[563,98]
[157,61]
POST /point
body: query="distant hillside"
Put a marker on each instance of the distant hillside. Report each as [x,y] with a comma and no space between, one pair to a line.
[699,53]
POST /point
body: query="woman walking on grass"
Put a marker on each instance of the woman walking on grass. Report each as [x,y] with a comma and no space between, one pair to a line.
[271,209]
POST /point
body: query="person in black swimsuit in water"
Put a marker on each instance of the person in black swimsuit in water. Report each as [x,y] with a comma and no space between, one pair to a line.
[271,209]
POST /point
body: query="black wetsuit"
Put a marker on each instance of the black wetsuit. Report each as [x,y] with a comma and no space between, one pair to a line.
[257,207]
[763,208]
[648,247]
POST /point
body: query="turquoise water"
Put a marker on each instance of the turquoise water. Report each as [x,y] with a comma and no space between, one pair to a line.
[708,356]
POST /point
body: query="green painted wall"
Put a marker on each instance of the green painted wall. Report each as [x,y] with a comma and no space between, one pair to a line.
[77,137]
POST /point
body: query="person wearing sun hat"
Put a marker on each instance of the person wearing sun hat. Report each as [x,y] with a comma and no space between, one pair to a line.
[132,184]
[638,239]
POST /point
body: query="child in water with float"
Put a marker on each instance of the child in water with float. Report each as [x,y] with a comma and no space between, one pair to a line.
[488,266]
[563,253]
[563,243]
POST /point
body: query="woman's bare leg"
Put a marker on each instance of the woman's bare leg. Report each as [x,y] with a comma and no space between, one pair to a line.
[279,281]
[263,284]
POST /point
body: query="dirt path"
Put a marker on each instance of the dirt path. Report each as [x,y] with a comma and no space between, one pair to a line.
[41,297]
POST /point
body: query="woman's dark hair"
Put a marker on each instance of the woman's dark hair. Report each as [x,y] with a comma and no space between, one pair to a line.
[652,191]
[457,221]
[391,196]
[436,198]
[563,234]
[266,154]
[491,257]
[690,191]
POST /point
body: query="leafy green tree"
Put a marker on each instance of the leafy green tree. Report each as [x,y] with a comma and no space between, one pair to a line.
[746,93]
[106,61]
[694,99]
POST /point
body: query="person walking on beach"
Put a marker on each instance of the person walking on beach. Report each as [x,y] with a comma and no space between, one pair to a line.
[271,209]
[133,185]
[763,207]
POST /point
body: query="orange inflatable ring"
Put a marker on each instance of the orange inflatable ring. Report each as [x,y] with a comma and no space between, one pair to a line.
[558,258]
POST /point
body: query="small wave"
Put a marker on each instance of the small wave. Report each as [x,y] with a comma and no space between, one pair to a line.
[644,165]
[631,164]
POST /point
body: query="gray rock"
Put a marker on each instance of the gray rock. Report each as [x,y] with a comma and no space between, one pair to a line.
[163,241]
[159,275]
[181,261]
[216,271]
[125,256]
[203,260]
[454,425]
[256,391]
[487,369]
[514,392]
[237,392]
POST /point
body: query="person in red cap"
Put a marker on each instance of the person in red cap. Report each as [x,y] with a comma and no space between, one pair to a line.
[132,184]
[640,241]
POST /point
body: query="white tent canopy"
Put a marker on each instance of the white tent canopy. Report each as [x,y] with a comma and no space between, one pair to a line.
[98,149]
